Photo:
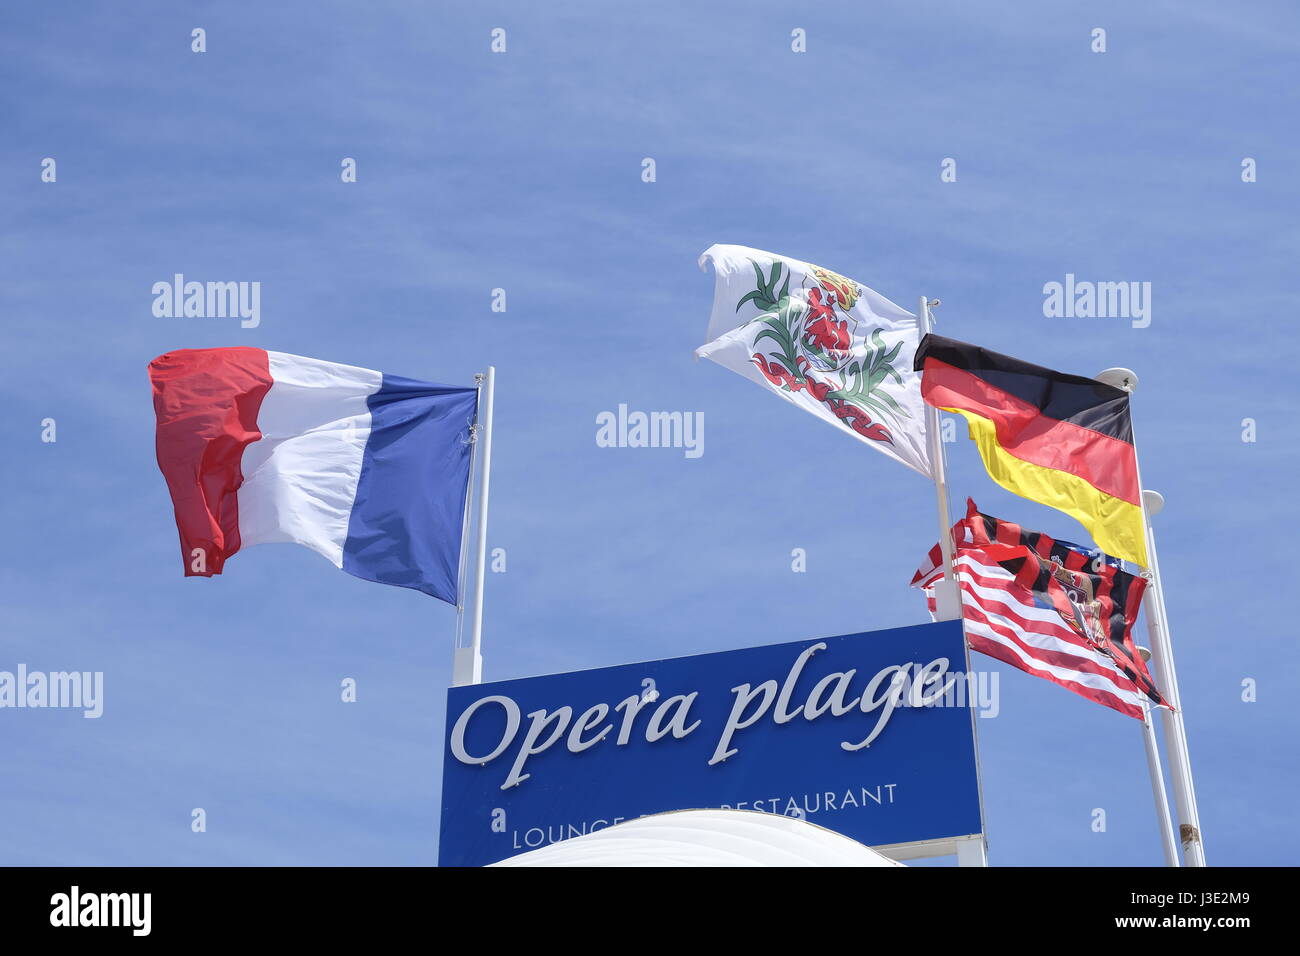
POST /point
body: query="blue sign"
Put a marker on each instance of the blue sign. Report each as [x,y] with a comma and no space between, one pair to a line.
[868,734]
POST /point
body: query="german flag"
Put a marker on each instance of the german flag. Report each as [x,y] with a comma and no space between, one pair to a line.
[1062,440]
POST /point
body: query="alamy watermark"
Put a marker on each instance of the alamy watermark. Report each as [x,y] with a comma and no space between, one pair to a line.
[71,689]
[1084,299]
[978,690]
[624,429]
[127,910]
[208,300]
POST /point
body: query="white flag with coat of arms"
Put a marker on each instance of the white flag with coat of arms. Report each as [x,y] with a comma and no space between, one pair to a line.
[823,342]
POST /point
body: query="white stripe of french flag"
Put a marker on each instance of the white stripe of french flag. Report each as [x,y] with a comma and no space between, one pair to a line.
[369,470]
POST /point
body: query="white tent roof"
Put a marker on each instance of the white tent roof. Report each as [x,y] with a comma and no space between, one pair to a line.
[706,838]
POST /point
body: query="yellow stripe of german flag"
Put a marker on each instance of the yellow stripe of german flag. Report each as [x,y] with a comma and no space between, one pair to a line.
[1115,524]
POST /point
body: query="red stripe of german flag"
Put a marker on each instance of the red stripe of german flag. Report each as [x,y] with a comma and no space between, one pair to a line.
[1062,440]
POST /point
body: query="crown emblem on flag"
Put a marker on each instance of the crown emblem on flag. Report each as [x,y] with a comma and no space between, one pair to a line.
[1080,608]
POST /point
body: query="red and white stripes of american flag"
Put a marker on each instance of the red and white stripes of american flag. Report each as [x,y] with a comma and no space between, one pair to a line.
[1003,620]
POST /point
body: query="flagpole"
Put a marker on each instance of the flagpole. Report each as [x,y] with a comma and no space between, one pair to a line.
[462,590]
[1163,819]
[1162,651]
[1180,766]
[947,598]
[467,667]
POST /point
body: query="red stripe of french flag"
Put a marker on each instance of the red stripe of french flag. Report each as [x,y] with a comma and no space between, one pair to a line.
[207,403]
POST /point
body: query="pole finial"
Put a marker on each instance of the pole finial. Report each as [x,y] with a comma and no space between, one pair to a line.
[1154,501]
[1125,379]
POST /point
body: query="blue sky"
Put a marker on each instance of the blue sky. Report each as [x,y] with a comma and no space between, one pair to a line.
[522,171]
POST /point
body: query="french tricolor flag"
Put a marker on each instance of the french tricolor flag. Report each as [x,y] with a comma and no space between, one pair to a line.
[371,470]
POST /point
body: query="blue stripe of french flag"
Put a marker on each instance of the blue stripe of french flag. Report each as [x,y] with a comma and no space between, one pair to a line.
[368,469]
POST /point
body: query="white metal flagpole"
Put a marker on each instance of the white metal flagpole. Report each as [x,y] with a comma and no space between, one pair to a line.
[1180,765]
[1163,820]
[462,590]
[467,667]
[1162,652]
[947,597]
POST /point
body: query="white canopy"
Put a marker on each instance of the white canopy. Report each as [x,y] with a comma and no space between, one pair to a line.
[706,838]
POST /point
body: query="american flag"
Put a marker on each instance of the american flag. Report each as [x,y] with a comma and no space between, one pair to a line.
[1051,608]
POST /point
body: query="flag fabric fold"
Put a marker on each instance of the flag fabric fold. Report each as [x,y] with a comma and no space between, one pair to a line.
[1050,608]
[823,342]
[1062,440]
[368,469]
